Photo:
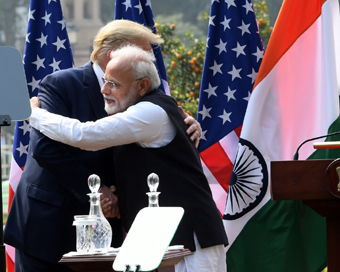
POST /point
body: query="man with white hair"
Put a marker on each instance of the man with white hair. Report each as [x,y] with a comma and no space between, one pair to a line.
[147,131]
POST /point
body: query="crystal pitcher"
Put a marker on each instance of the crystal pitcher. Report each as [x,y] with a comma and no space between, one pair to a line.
[102,231]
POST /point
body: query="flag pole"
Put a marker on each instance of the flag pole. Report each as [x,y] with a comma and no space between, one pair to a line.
[5,120]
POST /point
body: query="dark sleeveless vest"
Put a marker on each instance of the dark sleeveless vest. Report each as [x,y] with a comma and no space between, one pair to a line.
[182,182]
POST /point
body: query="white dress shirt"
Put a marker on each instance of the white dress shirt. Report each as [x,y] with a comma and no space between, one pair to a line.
[99,73]
[145,124]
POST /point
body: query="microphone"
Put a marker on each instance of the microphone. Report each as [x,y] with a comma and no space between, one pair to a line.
[296,155]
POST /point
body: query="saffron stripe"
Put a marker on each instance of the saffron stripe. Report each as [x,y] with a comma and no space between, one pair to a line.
[287,31]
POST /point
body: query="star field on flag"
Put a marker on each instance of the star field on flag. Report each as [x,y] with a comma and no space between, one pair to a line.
[233,57]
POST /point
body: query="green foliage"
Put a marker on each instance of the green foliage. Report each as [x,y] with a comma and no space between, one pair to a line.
[263,20]
[184,58]
[184,66]
[183,26]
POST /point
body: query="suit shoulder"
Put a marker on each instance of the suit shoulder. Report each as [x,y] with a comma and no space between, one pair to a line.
[74,72]
[65,73]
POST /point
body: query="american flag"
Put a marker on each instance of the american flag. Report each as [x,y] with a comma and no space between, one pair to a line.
[233,57]
[140,12]
[47,50]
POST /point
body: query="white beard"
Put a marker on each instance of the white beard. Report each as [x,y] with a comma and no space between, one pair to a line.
[122,106]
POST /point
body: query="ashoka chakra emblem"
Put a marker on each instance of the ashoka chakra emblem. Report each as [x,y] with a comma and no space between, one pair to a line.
[248,183]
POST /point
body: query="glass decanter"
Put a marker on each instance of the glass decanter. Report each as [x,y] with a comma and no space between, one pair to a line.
[102,231]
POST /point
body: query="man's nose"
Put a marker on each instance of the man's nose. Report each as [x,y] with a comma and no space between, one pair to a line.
[105,89]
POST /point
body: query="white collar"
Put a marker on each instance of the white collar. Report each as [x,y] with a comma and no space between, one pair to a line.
[99,73]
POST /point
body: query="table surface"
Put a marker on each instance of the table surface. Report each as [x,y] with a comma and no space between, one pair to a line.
[104,262]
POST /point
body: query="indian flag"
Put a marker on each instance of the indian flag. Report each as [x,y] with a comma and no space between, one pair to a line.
[295,97]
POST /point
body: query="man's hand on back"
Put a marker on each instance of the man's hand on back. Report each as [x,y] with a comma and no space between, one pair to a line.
[109,202]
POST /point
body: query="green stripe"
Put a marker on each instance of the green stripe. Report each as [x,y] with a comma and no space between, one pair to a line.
[283,236]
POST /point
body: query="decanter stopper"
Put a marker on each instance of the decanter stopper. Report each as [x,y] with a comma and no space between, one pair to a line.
[94,183]
[153,182]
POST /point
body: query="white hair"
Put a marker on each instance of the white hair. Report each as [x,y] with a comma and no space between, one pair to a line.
[142,63]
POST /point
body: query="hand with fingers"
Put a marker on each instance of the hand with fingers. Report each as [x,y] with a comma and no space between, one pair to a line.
[35,102]
[109,202]
[194,129]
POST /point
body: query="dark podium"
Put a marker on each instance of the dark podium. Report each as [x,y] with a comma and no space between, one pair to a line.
[317,184]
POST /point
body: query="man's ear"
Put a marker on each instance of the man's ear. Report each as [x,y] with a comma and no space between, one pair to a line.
[144,86]
[103,63]
[108,55]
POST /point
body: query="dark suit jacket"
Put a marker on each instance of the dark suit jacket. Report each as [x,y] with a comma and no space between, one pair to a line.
[53,187]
